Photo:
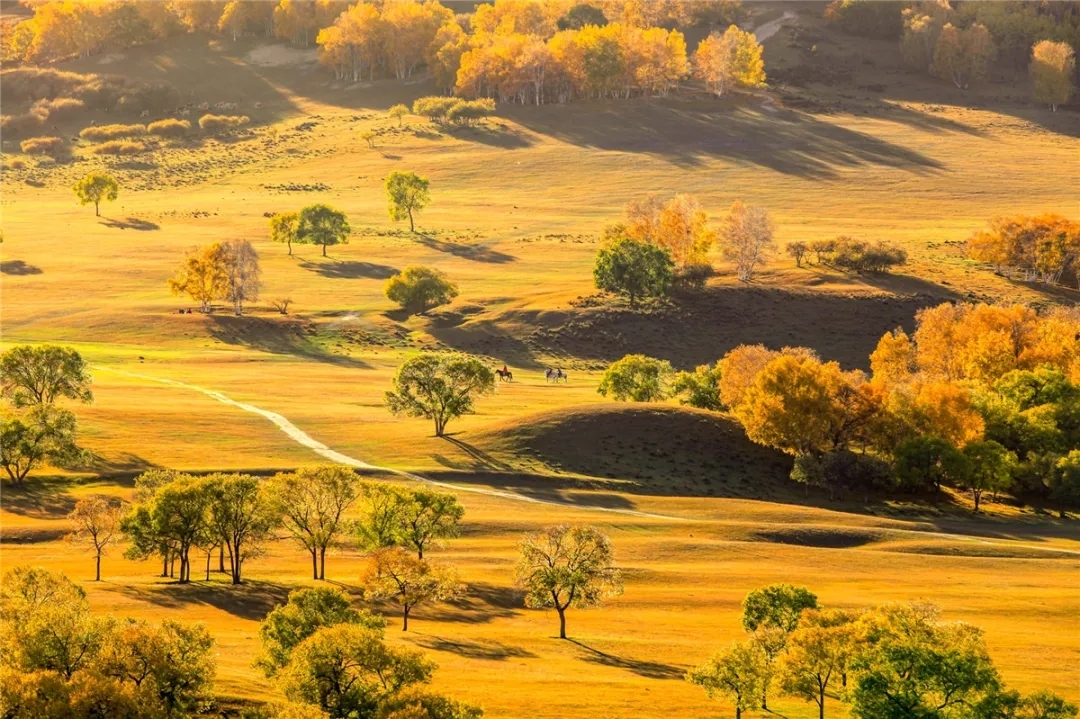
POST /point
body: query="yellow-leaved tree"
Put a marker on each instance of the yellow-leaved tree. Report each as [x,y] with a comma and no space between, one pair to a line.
[731,59]
[1053,66]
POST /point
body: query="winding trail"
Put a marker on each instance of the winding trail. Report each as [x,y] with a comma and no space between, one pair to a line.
[770,28]
[301,437]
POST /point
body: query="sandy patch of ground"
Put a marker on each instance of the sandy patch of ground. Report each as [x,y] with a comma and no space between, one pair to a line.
[281,56]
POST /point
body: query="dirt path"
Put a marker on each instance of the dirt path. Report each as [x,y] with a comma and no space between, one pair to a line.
[770,28]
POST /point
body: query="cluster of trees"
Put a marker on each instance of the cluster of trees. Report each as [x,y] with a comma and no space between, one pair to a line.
[453,110]
[984,398]
[34,429]
[220,271]
[848,254]
[1042,248]
[62,662]
[662,243]
[895,660]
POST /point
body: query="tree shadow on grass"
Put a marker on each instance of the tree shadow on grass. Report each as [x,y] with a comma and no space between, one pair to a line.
[131,223]
[476,253]
[649,670]
[18,267]
[124,463]
[348,269]
[482,603]
[275,337]
[480,649]
[253,599]
[481,459]
[496,135]
[39,498]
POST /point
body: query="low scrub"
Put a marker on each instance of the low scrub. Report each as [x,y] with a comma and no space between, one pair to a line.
[96,92]
[851,255]
[118,147]
[97,133]
[169,128]
[453,109]
[59,107]
[52,146]
[221,123]
[24,122]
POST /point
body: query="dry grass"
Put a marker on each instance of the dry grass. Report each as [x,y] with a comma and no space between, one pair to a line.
[516,209]
[112,132]
[43,146]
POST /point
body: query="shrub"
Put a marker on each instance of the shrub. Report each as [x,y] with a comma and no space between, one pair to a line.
[97,133]
[468,112]
[118,147]
[26,122]
[857,256]
[42,146]
[418,289]
[693,276]
[847,471]
[220,123]
[169,128]
[637,378]
[798,251]
[822,249]
[435,107]
[59,107]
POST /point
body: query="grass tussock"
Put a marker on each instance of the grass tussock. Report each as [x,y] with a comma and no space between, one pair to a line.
[118,147]
[42,146]
[221,123]
[169,128]
[98,133]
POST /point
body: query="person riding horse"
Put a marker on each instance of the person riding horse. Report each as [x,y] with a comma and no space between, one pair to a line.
[554,375]
[505,374]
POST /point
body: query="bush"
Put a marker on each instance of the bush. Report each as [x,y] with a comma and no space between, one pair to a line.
[26,122]
[220,123]
[798,251]
[435,107]
[42,146]
[468,112]
[97,133]
[118,147]
[846,471]
[856,256]
[822,250]
[418,289]
[693,276]
[637,378]
[169,128]
[700,388]
[59,107]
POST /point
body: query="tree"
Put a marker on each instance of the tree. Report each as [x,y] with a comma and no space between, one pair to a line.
[426,517]
[393,573]
[96,187]
[729,60]
[348,670]
[798,251]
[813,659]
[243,276]
[406,193]
[990,468]
[678,225]
[1065,482]
[322,225]
[563,567]
[176,516]
[925,462]
[306,611]
[746,238]
[418,289]
[580,15]
[311,503]
[97,522]
[737,672]
[700,387]
[44,433]
[203,276]
[778,605]
[382,515]
[915,665]
[241,517]
[398,112]
[283,226]
[963,56]
[633,269]
[439,387]
[40,375]
[1052,68]
[637,378]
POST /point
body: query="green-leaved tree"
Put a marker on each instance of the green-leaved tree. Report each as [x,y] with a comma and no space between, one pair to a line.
[96,187]
[406,193]
[439,387]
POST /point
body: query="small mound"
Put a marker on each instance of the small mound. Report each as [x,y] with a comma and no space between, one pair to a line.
[820,537]
[653,449]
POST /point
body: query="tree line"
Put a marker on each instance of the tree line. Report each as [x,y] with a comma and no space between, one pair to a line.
[893,661]
[1043,248]
[984,398]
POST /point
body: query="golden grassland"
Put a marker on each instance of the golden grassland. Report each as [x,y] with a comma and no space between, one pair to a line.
[516,209]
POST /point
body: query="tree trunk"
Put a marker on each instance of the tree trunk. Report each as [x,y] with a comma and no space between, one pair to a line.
[97,209]
[405,620]
[208,553]
[821,704]
[289,243]
[97,574]
[738,712]
[322,563]
[314,564]
[324,250]
[165,564]
[221,559]
[562,623]
[411,227]
[978,495]
[234,554]
[420,551]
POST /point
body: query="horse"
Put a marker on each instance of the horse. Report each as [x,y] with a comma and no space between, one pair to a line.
[554,375]
[505,375]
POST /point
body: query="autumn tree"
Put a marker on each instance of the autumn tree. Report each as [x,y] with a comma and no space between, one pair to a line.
[737,673]
[815,658]
[42,434]
[398,112]
[176,515]
[406,193]
[97,524]
[241,516]
[963,56]
[203,275]
[394,573]
[1041,246]
[306,611]
[36,375]
[700,388]
[243,275]
[731,59]
[637,378]
[418,289]
[96,187]
[1052,68]
[439,387]
[797,251]
[563,567]
[746,238]
[634,269]
[678,225]
[322,225]
[311,503]
[283,226]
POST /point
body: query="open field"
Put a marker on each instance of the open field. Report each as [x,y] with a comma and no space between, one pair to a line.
[518,205]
